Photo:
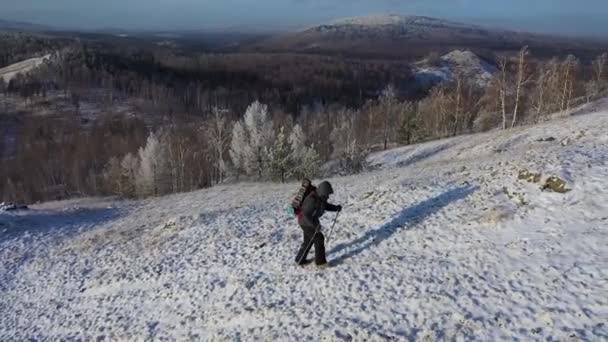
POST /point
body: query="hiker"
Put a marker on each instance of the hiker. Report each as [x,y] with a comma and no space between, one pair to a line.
[312,208]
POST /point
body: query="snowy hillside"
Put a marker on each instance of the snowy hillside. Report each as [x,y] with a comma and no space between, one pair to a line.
[440,241]
[463,61]
[395,19]
[7,73]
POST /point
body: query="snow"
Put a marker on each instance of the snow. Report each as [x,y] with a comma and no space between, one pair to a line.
[473,67]
[9,72]
[410,21]
[440,241]
[372,20]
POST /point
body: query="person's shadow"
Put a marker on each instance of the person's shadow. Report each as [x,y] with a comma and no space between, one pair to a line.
[416,213]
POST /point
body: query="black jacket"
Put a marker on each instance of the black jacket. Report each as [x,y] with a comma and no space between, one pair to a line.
[313,207]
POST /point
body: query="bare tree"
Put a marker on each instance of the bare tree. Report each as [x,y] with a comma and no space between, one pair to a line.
[540,90]
[387,101]
[219,136]
[523,78]
[435,113]
[457,99]
[599,66]
[502,84]
[408,123]
[597,85]
[568,71]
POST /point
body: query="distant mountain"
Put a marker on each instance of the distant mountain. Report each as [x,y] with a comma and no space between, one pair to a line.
[412,37]
[22,26]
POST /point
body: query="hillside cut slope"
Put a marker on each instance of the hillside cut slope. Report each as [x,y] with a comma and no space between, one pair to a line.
[441,240]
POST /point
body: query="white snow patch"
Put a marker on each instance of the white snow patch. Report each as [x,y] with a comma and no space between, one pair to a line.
[9,72]
[465,62]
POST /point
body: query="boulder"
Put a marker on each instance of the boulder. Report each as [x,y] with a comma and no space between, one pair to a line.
[555,184]
[529,176]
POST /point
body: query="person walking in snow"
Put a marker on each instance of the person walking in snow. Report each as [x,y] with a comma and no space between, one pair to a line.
[313,207]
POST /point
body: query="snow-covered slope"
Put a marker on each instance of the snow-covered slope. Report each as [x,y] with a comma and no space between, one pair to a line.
[398,20]
[441,241]
[22,67]
[464,61]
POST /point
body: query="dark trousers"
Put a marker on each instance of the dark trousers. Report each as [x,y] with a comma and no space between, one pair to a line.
[319,242]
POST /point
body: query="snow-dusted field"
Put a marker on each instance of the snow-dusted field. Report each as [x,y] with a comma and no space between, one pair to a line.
[7,73]
[463,61]
[441,241]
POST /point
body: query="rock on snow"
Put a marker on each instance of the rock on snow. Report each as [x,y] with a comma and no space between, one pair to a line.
[430,246]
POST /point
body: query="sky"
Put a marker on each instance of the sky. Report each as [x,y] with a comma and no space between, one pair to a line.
[580,17]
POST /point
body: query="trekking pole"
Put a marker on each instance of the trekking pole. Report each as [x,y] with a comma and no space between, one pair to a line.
[332,228]
[315,235]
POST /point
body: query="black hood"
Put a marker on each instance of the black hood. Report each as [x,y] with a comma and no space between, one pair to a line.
[324,189]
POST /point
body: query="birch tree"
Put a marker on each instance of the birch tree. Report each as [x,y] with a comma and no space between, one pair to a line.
[568,71]
[218,136]
[387,102]
[503,89]
[540,90]
[597,85]
[599,67]
[523,78]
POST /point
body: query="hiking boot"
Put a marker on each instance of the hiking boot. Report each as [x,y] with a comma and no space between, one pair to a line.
[305,263]
[323,266]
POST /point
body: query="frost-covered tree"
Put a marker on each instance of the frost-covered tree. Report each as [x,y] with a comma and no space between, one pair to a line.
[307,160]
[239,146]
[251,140]
[261,135]
[309,164]
[151,180]
[297,139]
[281,157]
[351,154]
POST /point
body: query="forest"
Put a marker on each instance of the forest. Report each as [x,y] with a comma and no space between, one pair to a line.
[197,119]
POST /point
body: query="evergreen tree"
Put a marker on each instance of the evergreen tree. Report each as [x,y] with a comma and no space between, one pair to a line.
[310,163]
[281,161]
